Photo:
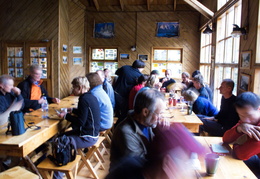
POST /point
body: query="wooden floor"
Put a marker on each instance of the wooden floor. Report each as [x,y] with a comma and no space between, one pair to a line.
[85,174]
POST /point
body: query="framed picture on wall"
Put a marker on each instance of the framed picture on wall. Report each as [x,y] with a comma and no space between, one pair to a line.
[77,60]
[167,29]
[104,30]
[143,57]
[124,56]
[245,60]
[65,60]
[77,49]
[244,82]
[64,48]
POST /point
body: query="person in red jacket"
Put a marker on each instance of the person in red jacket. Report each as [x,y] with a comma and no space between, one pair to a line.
[245,135]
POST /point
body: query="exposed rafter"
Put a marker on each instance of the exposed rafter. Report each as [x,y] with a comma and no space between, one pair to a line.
[201,8]
[96,4]
[122,4]
[148,5]
[174,5]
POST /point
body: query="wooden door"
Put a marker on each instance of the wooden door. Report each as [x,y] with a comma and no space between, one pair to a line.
[19,56]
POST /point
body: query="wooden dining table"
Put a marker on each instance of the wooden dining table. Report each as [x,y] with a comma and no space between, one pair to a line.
[41,131]
[228,166]
[174,114]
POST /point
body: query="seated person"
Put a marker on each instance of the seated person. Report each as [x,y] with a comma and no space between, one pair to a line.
[108,76]
[208,89]
[167,79]
[8,93]
[201,106]
[168,157]
[141,83]
[186,79]
[245,135]
[86,121]
[152,82]
[32,90]
[199,85]
[133,135]
[227,116]
[107,87]
[155,72]
[106,109]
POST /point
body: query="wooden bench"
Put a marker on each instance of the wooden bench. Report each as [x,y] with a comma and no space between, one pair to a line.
[18,172]
[47,167]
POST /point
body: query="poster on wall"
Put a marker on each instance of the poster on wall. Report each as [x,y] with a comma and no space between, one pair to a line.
[104,30]
[167,29]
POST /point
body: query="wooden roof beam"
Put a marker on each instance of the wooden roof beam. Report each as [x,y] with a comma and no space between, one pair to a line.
[122,4]
[148,4]
[174,5]
[96,4]
[201,8]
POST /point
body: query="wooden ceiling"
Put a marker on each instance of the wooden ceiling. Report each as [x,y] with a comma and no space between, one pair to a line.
[137,5]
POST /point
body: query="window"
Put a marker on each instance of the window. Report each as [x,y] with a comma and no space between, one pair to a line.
[38,55]
[15,61]
[227,49]
[102,58]
[221,3]
[205,55]
[167,58]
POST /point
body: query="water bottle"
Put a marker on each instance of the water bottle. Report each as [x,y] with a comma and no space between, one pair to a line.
[45,108]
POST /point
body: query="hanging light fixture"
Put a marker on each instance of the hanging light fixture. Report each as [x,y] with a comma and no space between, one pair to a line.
[208,30]
[237,31]
[133,48]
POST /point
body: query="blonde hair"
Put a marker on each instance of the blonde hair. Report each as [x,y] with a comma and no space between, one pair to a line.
[152,80]
[190,95]
[81,81]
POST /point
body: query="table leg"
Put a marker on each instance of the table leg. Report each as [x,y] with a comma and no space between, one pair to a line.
[31,164]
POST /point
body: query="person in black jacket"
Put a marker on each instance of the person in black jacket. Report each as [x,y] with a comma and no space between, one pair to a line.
[85,119]
[32,90]
[8,93]
[127,79]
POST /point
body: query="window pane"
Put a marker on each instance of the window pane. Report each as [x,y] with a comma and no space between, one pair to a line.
[228,50]
[96,66]
[220,52]
[110,54]
[176,73]
[112,66]
[160,55]
[97,54]
[174,55]
[227,72]
[230,21]
[236,42]
[161,67]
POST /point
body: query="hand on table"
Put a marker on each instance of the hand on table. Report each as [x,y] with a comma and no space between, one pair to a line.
[251,130]
[56,100]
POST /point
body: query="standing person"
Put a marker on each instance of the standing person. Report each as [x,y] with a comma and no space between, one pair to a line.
[133,136]
[167,80]
[106,109]
[85,120]
[227,116]
[199,85]
[127,79]
[107,87]
[141,83]
[245,135]
[32,90]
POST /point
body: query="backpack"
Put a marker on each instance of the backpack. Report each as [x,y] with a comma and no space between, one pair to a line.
[63,150]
